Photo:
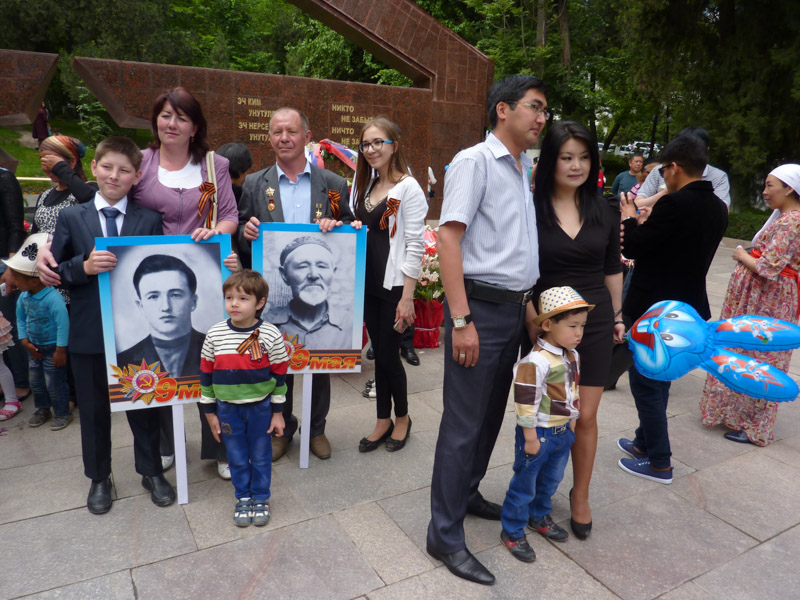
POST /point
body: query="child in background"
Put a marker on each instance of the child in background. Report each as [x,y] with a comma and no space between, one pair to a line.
[546,401]
[11,406]
[43,329]
[243,381]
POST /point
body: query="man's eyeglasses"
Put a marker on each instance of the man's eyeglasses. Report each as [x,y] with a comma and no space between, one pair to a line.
[374,145]
[665,167]
[537,109]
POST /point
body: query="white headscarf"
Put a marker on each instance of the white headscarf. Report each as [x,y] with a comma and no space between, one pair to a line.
[789,174]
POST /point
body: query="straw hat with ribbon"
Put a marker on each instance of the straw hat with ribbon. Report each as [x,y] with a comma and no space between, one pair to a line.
[557,300]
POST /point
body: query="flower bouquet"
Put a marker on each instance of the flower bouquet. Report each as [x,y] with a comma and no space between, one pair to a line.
[429,312]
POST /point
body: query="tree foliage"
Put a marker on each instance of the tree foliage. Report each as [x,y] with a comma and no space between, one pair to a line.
[628,69]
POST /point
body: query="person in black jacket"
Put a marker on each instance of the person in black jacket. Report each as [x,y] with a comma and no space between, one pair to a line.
[673,250]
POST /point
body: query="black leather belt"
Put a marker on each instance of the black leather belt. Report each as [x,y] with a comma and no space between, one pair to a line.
[480,290]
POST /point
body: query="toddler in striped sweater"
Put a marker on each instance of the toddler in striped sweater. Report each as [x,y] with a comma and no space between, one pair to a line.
[243,378]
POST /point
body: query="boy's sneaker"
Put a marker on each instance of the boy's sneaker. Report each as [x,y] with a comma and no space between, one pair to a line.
[548,529]
[519,548]
[641,468]
[60,423]
[242,514]
[628,448]
[40,417]
[260,513]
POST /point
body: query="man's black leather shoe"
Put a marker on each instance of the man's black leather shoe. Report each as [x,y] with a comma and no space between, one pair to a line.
[738,436]
[485,510]
[99,500]
[410,356]
[463,564]
[161,492]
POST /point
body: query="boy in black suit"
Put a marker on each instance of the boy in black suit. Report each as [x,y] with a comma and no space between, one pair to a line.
[116,168]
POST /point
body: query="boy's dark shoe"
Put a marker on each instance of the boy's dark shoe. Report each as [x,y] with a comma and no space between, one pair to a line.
[161,492]
[548,529]
[519,548]
[463,564]
[243,513]
[99,500]
[260,513]
[60,423]
[40,417]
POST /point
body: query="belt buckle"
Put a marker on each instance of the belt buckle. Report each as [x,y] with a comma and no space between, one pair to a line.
[527,297]
[560,428]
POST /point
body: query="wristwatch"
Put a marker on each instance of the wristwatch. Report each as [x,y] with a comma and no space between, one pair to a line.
[461,321]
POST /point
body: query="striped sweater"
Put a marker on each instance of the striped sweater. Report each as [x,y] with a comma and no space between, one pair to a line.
[241,366]
[546,386]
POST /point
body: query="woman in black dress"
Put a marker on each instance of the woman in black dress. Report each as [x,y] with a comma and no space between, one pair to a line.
[579,247]
[393,207]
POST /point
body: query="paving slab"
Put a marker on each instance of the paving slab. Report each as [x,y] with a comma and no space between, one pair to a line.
[386,547]
[655,541]
[698,446]
[313,559]
[736,491]
[210,512]
[688,591]
[117,586]
[768,571]
[71,546]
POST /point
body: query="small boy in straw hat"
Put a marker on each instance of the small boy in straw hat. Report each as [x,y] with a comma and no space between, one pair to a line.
[546,402]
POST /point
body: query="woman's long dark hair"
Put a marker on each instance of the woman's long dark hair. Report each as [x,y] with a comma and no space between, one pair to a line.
[397,166]
[182,99]
[590,203]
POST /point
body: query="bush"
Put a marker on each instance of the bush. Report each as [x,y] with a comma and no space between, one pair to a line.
[613,165]
[744,225]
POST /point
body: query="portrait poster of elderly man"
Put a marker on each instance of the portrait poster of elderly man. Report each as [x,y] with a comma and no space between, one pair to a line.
[158,303]
[316,298]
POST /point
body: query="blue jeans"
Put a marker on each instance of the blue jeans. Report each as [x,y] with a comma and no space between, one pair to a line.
[536,478]
[652,436]
[249,447]
[49,382]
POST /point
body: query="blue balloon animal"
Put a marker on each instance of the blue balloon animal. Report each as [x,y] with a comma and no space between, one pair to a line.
[671,339]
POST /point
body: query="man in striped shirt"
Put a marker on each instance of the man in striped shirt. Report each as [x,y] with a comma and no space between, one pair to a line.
[489,257]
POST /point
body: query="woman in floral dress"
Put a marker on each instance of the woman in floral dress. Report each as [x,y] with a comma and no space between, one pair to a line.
[765,283]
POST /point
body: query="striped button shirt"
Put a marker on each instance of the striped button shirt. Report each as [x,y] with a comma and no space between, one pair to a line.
[484,190]
[232,376]
[546,386]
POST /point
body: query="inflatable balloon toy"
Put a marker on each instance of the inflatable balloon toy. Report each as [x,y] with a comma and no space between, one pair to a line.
[671,339]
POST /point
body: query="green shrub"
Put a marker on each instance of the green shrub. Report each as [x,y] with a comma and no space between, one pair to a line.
[613,165]
[744,225]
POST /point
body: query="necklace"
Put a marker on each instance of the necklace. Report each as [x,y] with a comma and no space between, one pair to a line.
[367,203]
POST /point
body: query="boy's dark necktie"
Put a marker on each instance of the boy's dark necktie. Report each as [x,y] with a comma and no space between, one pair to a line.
[111,215]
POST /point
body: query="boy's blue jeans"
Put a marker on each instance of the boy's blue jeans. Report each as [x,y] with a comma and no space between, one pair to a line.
[49,382]
[249,447]
[536,477]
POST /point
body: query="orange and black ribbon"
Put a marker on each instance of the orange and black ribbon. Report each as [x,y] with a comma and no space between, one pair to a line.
[333,198]
[206,200]
[251,344]
[392,204]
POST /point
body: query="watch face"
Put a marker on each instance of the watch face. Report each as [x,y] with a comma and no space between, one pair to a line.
[459,322]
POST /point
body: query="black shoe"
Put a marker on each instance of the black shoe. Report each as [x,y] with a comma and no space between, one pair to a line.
[410,356]
[99,500]
[463,564]
[366,445]
[393,445]
[161,492]
[519,548]
[485,510]
[581,530]
[371,353]
[738,436]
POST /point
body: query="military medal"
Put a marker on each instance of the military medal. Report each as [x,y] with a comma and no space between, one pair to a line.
[319,212]
[271,201]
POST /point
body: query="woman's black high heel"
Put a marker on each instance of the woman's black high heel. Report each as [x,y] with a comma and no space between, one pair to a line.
[581,530]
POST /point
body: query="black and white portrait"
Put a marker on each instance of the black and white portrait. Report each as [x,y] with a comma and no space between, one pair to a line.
[165,298]
[311,279]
